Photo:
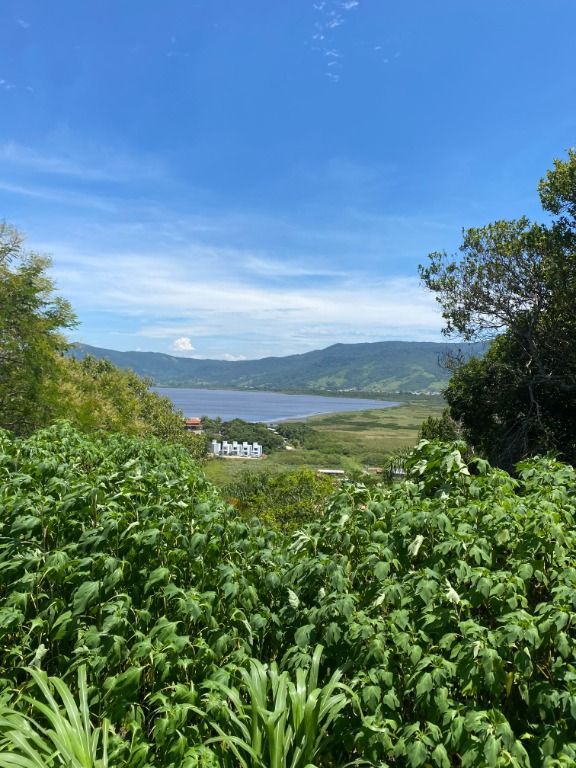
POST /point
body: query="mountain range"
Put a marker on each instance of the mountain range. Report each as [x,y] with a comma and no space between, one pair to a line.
[384,366]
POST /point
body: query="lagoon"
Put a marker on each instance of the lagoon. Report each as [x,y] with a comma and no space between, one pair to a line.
[262,406]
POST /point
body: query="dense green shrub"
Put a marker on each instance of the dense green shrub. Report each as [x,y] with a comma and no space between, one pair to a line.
[288,499]
[95,395]
[447,603]
[298,433]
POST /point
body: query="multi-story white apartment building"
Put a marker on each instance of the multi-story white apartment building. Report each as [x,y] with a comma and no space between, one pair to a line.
[244,450]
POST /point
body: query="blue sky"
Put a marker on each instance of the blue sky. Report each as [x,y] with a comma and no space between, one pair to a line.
[241,178]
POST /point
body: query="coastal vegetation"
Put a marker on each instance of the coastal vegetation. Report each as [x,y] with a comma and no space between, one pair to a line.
[240,430]
[353,442]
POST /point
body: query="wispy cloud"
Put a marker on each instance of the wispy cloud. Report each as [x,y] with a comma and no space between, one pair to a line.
[273,268]
[173,302]
[83,164]
[232,358]
[212,283]
[53,195]
[176,52]
[330,14]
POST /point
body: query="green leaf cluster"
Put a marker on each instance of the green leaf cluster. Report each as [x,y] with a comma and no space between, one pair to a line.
[445,605]
[287,498]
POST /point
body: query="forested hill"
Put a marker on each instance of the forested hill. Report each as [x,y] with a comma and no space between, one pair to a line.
[386,366]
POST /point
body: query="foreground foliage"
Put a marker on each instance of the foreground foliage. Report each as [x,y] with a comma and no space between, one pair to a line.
[59,731]
[445,605]
[274,721]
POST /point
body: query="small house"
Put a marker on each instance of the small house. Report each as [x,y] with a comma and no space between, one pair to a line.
[193,424]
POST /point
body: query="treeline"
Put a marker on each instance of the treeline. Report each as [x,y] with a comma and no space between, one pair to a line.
[514,283]
[39,384]
[240,430]
[272,439]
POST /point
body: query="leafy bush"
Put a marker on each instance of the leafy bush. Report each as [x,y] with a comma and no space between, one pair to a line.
[274,721]
[95,395]
[287,499]
[59,733]
[446,603]
[440,428]
[298,433]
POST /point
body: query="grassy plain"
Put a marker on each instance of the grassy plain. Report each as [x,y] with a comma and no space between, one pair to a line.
[345,441]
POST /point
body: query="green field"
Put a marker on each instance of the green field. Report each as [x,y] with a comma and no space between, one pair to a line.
[345,441]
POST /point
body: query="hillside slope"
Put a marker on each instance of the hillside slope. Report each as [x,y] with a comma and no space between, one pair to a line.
[386,366]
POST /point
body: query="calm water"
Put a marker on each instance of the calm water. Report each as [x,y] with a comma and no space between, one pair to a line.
[261,406]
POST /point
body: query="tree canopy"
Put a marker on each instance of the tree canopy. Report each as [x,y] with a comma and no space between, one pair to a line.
[32,319]
[516,281]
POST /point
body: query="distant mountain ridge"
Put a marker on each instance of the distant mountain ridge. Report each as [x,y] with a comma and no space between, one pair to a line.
[382,366]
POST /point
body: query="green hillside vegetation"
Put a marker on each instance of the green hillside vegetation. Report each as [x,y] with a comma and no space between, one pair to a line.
[96,395]
[426,623]
[39,384]
[387,366]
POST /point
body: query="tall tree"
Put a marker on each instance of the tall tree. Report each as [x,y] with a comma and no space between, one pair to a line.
[516,281]
[31,321]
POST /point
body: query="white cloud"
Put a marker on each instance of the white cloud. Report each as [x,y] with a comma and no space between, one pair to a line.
[334,21]
[156,289]
[183,344]
[163,297]
[52,195]
[86,164]
[330,15]
[232,358]
[282,269]
[162,278]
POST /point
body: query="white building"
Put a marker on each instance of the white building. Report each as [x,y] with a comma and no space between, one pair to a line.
[244,450]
